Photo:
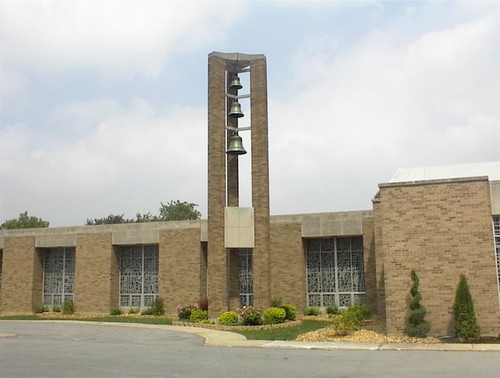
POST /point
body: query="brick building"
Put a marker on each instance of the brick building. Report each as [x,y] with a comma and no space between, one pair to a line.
[440,221]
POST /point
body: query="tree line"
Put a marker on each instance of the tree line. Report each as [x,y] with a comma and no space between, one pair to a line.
[171,211]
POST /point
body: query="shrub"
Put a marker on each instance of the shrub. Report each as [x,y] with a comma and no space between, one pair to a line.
[274,315]
[276,302]
[40,309]
[358,312]
[290,310]
[203,303]
[56,308]
[68,307]
[116,311]
[228,317]
[343,325]
[332,309]
[250,315]
[199,316]
[184,311]
[133,310]
[465,317]
[311,311]
[417,325]
[147,311]
[158,306]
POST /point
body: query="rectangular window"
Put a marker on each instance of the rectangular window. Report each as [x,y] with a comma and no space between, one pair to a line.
[138,275]
[496,228]
[246,277]
[335,271]
[58,275]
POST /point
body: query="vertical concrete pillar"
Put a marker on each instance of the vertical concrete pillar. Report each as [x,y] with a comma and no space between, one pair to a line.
[260,184]
[216,252]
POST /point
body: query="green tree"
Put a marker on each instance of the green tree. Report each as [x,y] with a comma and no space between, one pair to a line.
[110,219]
[24,221]
[177,210]
[465,317]
[417,325]
[171,211]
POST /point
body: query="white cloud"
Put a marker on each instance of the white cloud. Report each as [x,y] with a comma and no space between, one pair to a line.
[135,159]
[383,105]
[112,37]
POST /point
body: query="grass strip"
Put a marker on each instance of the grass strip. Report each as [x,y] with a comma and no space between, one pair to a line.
[289,333]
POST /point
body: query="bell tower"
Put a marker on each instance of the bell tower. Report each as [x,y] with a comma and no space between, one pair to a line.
[231,228]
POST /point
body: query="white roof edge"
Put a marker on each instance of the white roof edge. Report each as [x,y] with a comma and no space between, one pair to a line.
[489,169]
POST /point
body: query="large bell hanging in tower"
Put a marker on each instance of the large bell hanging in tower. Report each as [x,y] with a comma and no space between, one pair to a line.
[235,145]
[235,83]
[235,110]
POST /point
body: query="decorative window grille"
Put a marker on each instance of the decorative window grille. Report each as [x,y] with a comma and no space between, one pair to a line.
[246,277]
[496,228]
[138,275]
[335,271]
[58,275]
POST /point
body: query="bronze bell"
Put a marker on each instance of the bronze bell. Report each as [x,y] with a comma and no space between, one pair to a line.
[235,110]
[235,83]
[235,145]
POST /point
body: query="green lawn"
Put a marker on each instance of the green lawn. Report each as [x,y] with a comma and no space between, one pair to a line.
[289,333]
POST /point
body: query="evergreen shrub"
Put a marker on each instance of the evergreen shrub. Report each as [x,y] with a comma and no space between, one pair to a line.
[199,316]
[68,307]
[465,317]
[116,311]
[290,310]
[274,315]
[228,317]
[311,311]
[417,325]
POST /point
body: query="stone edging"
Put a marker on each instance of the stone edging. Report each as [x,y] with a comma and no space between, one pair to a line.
[237,327]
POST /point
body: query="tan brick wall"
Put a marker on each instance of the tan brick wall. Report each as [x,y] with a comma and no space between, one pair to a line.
[179,267]
[260,184]
[93,272]
[288,266]
[20,265]
[441,230]
[216,259]
[369,262]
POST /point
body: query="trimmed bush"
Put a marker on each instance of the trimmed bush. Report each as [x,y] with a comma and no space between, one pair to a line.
[116,311]
[133,310]
[68,307]
[311,311]
[290,310]
[158,306]
[274,315]
[199,316]
[250,315]
[56,308]
[228,317]
[465,317]
[417,325]
[358,312]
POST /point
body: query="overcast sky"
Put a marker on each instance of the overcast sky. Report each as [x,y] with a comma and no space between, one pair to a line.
[104,103]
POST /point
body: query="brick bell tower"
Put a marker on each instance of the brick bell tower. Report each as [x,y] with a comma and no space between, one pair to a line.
[233,230]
